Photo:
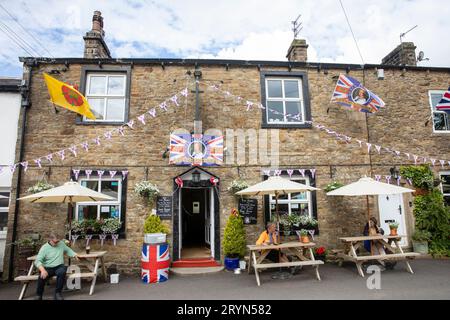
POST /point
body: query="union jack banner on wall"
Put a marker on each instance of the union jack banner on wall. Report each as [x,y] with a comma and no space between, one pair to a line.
[351,94]
[155,263]
[196,150]
[444,104]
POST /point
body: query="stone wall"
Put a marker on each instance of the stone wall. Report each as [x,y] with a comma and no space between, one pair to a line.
[400,125]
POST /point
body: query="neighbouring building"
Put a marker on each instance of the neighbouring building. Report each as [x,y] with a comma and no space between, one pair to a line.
[10,100]
[120,90]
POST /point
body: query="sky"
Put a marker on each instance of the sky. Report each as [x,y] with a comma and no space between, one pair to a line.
[231,29]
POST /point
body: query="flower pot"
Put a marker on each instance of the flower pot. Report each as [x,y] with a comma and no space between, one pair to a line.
[420,247]
[304,239]
[231,263]
[420,192]
[393,232]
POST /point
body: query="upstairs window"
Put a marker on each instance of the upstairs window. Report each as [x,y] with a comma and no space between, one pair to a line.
[106,94]
[441,120]
[285,96]
[445,177]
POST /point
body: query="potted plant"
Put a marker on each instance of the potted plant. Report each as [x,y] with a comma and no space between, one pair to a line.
[304,236]
[234,240]
[146,190]
[110,226]
[333,186]
[39,187]
[320,253]
[237,185]
[154,230]
[393,226]
[76,227]
[91,226]
[420,240]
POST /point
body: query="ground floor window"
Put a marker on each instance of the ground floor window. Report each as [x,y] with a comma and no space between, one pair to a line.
[293,203]
[445,178]
[4,208]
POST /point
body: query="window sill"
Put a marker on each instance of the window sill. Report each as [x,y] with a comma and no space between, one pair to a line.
[99,123]
[285,126]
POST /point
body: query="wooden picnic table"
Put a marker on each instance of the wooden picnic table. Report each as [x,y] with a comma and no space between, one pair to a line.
[298,249]
[92,261]
[354,243]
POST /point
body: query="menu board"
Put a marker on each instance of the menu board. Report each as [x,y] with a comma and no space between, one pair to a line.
[164,207]
[248,208]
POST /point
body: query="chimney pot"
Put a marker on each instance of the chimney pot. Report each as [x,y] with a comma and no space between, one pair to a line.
[403,55]
[94,44]
[298,51]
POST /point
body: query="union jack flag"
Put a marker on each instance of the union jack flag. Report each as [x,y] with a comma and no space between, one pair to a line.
[352,94]
[444,104]
[155,263]
[196,149]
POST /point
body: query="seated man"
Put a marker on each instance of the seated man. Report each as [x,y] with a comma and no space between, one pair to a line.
[268,237]
[50,262]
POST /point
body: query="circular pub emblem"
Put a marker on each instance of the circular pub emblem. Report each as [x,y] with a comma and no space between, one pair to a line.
[360,96]
[197,149]
[72,97]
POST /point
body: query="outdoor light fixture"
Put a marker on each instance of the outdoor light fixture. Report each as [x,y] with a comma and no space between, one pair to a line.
[394,173]
[196,177]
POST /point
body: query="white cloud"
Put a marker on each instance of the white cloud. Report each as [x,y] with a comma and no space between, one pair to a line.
[249,30]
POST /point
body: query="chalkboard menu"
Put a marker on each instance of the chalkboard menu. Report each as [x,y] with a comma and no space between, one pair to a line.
[164,207]
[248,208]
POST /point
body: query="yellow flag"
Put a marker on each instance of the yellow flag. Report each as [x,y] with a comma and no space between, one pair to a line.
[68,97]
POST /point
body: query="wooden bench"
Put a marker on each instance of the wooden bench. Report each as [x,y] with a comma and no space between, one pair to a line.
[394,256]
[35,277]
[287,264]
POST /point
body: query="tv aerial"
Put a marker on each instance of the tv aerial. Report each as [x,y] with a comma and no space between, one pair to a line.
[402,35]
[296,26]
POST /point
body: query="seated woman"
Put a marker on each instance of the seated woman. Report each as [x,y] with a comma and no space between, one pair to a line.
[267,237]
[372,229]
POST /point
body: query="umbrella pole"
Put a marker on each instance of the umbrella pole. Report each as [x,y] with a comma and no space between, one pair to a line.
[368,209]
[278,217]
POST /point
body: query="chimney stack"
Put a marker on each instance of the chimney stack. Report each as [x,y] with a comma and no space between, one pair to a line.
[94,44]
[403,55]
[298,51]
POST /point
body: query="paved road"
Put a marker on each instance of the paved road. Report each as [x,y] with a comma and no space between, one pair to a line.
[430,281]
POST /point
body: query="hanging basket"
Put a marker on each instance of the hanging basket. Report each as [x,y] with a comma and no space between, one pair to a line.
[420,192]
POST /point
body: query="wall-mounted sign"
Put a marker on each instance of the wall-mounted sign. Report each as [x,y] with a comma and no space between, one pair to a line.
[196,149]
[164,207]
[248,209]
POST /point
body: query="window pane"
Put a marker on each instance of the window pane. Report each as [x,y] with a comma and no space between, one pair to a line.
[4,203]
[291,89]
[274,89]
[293,109]
[283,209]
[97,85]
[447,200]
[109,212]
[93,185]
[300,209]
[111,188]
[87,212]
[115,109]
[440,121]
[299,196]
[3,221]
[275,112]
[97,107]
[435,98]
[446,184]
[116,85]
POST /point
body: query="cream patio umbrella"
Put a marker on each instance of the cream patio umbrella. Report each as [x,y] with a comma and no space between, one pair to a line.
[70,192]
[278,186]
[368,187]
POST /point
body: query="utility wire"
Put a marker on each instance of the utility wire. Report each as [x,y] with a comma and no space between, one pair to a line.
[23,28]
[5,31]
[351,30]
[20,39]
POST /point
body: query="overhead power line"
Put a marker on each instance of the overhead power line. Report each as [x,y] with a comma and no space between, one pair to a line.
[351,30]
[14,39]
[26,31]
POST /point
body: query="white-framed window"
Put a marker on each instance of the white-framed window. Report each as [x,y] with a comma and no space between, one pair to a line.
[101,209]
[441,120]
[4,208]
[106,94]
[284,101]
[445,186]
[293,203]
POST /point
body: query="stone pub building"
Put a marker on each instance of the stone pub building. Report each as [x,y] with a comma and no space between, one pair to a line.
[120,90]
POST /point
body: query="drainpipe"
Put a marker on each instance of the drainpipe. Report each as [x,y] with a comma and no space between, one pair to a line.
[25,104]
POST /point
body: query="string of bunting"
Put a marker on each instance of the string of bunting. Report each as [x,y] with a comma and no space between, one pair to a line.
[87,145]
[250,104]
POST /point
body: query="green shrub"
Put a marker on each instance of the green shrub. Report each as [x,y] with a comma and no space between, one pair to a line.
[421,236]
[234,236]
[421,176]
[153,224]
[434,217]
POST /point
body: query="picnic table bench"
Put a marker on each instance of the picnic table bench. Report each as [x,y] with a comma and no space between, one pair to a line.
[354,243]
[297,249]
[92,261]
